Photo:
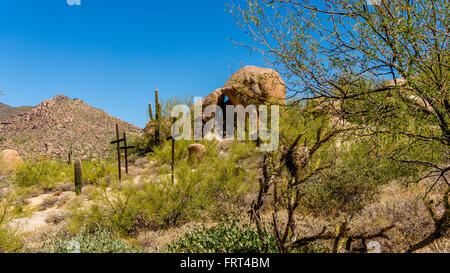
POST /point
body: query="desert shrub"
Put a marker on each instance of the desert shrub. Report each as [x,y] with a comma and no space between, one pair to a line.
[223,238]
[232,237]
[215,188]
[162,155]
[48,174]
[114,205]
[352,182]
[101,240]
[96,170]
[218,183]
[10,241]
[169,203]
[142,144]
[43,173]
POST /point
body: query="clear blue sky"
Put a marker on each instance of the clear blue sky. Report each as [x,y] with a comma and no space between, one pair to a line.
[113,54]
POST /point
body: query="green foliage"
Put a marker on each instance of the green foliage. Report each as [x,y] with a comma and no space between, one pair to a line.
[233,237]
[10,241]
[114,205]
[219,183]
[43,173]
[160,127]
[143,147]
[215,188]
[223,238]
[47,174]
[96,170]
[353,181]
[102,240]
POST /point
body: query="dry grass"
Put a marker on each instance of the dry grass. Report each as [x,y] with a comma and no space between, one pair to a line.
[49,202]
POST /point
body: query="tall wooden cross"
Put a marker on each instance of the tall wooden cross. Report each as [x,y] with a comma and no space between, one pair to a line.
[126,150]
[118,141]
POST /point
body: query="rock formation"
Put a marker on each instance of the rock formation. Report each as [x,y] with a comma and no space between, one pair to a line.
[255,85]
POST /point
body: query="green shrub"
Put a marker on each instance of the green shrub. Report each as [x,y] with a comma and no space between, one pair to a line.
[10,208]
[114,205]
[216,188]
[102,240]
[95,170]
[353,181]
[223,238]
[10,241]
[43,173]
[232,237]
[47,174]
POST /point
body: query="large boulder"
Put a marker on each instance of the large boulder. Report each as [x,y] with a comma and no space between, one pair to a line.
[255,85]
[10,160]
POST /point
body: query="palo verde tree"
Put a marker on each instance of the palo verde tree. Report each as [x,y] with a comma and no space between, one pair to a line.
[383,66]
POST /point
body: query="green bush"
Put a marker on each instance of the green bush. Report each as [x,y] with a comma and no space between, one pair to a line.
[102,240]
[47,174]
[95,170]
[43,173]
[223,238]
[10,208]
[114,205]
[353,181]
[216,188]
[10,241]
[232,237]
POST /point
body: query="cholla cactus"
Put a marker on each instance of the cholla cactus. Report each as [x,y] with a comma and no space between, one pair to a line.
[78,176]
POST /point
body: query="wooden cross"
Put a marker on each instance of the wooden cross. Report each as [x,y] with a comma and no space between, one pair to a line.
[173,153]
[118,141]
[126,150]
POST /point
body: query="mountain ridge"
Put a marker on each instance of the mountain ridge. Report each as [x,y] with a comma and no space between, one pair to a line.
[57,125]
[7,111]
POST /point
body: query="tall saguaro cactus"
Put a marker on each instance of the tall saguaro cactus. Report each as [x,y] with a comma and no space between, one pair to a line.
[78,176]
[157,118]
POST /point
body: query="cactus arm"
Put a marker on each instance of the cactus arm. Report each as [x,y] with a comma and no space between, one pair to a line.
[150,112]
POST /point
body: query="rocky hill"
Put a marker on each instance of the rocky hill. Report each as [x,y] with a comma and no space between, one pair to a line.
[55,125]
[7,111]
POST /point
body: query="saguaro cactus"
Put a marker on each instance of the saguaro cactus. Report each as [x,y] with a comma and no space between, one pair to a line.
[78,176]
[157,119]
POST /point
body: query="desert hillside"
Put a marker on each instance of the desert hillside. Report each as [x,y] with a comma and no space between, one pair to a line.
[7,111]
[57,124]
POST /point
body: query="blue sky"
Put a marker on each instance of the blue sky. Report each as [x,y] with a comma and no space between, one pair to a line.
[113,54]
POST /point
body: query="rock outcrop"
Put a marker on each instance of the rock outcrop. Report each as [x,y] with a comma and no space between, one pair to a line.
[255,85]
